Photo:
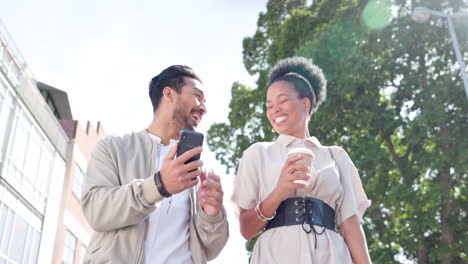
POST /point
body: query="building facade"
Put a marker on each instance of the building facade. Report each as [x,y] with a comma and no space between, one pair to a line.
[40,160]
[74,233]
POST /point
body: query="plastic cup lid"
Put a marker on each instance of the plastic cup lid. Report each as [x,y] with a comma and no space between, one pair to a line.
[301,151]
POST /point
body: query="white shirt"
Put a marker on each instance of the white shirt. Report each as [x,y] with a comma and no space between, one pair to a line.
[168,238]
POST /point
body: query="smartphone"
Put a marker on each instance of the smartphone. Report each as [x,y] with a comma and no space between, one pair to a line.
[189,139]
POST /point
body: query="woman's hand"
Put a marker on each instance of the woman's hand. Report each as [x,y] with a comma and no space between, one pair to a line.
[250,222]
[291,171]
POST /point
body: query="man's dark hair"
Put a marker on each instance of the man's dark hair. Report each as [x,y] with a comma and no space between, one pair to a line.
[173,77]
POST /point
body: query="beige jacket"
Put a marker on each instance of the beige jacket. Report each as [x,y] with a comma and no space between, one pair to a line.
[120,193]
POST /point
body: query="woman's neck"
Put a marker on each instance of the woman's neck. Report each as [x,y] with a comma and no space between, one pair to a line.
[302,134]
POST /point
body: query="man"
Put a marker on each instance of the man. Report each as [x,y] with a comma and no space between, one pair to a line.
[139,197]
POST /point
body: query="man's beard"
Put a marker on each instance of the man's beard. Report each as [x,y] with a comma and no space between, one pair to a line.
[182,120]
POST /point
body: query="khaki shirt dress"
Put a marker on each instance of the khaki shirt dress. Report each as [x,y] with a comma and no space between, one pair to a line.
[335,181]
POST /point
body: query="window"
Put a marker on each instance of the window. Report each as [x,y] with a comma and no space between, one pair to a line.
[82,253]
[29,160]
[52,106]
[33,156]
[5,59]
[20,230]
[20,138]
[8,66]
[14,74]
[78,182]
[3,217]
[69,248]
[2,93]
[2,50]
[45,168]
[19,242]
[9,215]
[31,248]
[6,105]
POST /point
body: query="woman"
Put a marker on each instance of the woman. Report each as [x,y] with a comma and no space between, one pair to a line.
[317,223]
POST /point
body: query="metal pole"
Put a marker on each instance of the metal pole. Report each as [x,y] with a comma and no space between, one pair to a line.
[456,47]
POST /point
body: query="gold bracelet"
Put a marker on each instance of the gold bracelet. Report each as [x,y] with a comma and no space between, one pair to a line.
[260,215]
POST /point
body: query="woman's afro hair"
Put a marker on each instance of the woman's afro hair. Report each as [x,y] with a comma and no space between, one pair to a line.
[304,67]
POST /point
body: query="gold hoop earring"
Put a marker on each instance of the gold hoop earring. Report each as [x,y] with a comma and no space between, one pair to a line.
[273,130]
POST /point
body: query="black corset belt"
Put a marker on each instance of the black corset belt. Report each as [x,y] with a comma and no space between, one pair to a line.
[306,212]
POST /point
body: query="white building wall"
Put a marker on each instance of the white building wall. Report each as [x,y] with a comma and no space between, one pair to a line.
[33,148]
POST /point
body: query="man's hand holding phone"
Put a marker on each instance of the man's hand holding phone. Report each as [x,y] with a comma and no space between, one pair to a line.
[211,193]
[176,176]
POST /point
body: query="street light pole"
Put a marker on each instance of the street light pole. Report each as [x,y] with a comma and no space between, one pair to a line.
[458,54]
[423,14]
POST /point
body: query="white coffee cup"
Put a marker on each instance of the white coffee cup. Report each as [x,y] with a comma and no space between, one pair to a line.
[307,158]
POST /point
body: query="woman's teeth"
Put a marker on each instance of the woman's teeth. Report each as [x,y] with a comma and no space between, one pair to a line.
[279,119]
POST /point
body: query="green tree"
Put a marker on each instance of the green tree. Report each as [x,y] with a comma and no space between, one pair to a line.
[395,102]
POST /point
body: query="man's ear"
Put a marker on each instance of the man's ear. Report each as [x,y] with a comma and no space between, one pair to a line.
[169,93]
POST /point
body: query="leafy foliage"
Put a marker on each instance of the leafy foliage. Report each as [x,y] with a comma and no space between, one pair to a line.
[395,102]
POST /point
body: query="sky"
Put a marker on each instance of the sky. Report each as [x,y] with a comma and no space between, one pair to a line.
[104,53]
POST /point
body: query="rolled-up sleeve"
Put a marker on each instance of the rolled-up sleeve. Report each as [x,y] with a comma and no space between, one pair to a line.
[355,200]
[246,189]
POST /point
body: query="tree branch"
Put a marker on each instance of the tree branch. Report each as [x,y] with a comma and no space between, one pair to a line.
[423,251]
[392,150]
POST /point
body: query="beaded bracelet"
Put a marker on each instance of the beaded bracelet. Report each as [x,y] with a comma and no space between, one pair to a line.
[161,189]
[260,215]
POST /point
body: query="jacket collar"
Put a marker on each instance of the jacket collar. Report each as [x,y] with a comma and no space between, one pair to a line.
[286,140]
[144,134]
[157,139]
[151,138]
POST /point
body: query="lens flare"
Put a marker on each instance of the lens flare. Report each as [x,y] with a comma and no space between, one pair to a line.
[377,14]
